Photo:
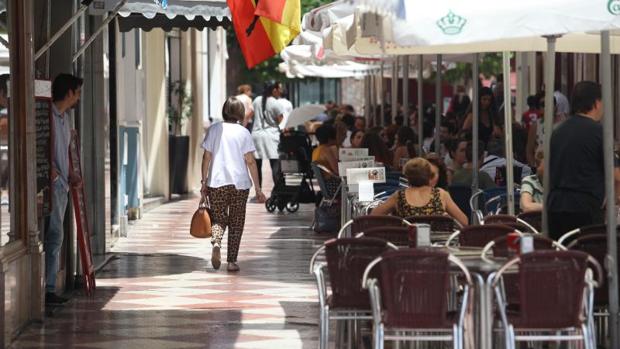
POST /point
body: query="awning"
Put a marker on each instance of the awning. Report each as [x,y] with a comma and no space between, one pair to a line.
[136,20]
[182,14]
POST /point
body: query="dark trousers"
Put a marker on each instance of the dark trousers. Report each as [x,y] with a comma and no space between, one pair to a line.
[275,168]
[561,223]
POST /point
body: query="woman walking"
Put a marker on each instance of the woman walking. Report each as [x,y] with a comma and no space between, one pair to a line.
[268,114]
[228,156]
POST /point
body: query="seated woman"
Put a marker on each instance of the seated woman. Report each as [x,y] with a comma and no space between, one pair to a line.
[403,146]
[326,154]
[377,148]
[421,198]
[531,187]
[356,138]
[440,172]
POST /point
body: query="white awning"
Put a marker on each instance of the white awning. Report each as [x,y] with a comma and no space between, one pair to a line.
[190,9]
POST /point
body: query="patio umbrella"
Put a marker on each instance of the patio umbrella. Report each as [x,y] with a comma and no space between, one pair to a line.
[305,113]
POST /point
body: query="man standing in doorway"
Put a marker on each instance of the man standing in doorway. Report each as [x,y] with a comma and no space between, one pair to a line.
[66,91]
[577,176]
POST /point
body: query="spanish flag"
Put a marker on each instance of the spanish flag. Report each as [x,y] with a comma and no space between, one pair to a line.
[264,27]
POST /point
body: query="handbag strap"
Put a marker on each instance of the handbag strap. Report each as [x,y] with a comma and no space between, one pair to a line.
[204,202]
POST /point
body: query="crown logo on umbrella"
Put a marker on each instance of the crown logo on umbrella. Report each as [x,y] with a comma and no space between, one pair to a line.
[451,24]
[613,6]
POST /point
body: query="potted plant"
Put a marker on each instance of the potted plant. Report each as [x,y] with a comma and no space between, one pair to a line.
[179,111]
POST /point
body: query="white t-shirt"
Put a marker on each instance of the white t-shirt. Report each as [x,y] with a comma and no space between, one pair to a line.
[287,108]
[247,103]
[228,143]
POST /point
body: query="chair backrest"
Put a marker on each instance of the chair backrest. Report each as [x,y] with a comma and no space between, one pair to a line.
[499,204]
[480,235]
[347,260]
[500,219]
[596,246]
[461,195]
[414,286]
[318,175]
[437,223]
[362,223]
[551,289]
[399,236]
[596,229]
[500,245]
[533,218]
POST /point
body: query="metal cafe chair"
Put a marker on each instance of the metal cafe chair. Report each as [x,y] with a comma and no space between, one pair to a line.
[442,226]
[410,297]
[555,298]
[361,223]
[399,236]
[478,235]
[596,246]
[438,223]
[594,229]
[512,221]
[345,261]
[510,282]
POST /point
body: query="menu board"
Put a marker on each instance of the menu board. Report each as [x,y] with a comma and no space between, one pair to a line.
[43,125]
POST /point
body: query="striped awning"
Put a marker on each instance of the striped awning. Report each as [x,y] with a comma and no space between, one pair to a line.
[179,14]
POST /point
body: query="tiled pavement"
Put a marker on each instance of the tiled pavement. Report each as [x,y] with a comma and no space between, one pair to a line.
[161,292]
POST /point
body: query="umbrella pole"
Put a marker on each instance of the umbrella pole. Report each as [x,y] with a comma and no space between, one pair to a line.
[382,93]
[406,90]
[420,104]
[368,102]
[510,180]
[438,103]
[394,89]
[548,123]
[474,137]
[608,146]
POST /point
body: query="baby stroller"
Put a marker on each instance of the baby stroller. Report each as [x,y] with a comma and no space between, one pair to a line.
[294,181]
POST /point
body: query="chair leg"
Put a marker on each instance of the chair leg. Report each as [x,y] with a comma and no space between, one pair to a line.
[324,329]
[511,338]
[378,337]
[587,339]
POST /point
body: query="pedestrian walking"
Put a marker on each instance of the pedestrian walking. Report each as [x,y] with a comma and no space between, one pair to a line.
[268,114]
[228,157]
[245,96]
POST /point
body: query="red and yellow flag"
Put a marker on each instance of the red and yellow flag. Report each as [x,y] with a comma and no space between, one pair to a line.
[264,27]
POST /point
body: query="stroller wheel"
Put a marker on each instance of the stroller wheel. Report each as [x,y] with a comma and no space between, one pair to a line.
[292,207]
[270,205]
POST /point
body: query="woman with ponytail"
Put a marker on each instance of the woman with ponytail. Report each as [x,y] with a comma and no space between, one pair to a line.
[268,114]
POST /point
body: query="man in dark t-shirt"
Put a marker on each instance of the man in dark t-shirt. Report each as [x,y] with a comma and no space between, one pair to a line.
[576,170]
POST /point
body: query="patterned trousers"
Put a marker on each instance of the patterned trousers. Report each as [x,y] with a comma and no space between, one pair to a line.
[228,211]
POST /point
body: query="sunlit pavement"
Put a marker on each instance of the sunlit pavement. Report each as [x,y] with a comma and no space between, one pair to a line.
[161,291]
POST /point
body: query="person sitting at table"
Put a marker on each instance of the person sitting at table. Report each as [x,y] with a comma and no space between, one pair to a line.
[420,198]
[377,148]
[531,187]
[326,154]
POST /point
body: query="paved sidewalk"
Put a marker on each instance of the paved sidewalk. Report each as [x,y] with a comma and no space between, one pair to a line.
[161,291]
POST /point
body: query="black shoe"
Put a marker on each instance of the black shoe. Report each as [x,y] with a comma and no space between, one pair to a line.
[52,298]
